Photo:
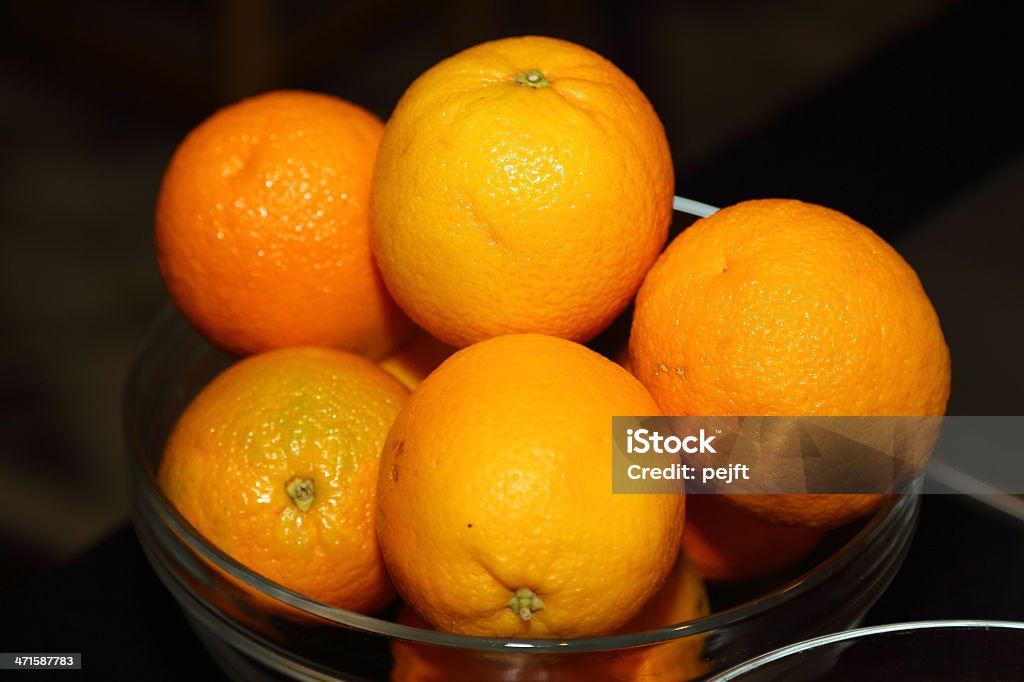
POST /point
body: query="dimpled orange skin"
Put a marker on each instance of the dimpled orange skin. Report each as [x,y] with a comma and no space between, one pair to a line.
[779,307]
[501,208]
[311,413]
[262,227]
[496,477]
[682,598]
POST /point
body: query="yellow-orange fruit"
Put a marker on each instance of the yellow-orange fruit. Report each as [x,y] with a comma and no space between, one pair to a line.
[682,598]
[779,307]
[275,462]
[495,509]
[523,185]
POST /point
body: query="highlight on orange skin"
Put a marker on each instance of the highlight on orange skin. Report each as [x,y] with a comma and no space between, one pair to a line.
[262,227]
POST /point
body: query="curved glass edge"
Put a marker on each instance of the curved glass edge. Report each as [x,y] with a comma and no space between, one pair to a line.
[144,479]
[693,207]
[350,619]
[826,640]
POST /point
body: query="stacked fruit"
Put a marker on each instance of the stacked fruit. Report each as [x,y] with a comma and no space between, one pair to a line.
[515,204]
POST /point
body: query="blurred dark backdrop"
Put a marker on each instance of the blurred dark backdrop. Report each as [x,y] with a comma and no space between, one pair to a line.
[898,113]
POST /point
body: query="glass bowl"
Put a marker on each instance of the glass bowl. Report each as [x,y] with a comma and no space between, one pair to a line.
[258,630]
[929,651]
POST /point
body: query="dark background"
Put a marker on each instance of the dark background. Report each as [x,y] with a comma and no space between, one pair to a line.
[903,114]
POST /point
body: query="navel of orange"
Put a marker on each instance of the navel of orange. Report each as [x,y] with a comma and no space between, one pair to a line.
[275,463]
[527,539]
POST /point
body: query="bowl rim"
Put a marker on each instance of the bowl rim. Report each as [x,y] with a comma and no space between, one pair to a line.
[909,627]
[145,483]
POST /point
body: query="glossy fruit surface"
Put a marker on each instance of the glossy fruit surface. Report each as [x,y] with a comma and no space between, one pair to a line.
[275,462]
[262,227]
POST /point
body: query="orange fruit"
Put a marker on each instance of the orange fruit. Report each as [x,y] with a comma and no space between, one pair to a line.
[779,307]
[729,544]
[681,598]
[426,663]
[275,462]
[809,510]
[495,509]
[262,227]
[523,185]
[416,358]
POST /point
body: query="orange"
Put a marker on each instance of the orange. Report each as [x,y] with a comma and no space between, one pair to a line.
[495,509]
[523,185]
[275,463]
[416,358]
[809,510]
[779,307]
[729,544]
[426,663]
[262,227]
[681,598]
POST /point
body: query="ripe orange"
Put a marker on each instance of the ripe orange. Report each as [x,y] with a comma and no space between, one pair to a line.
[275,463]
[495,510]
[416,358]
[262,227]
[424,663]
[809,510]
[681,598]
[523,185]
[778,307]
[729,544]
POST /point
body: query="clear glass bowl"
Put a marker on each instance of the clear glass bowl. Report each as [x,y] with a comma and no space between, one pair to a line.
[929,651]
[258,630]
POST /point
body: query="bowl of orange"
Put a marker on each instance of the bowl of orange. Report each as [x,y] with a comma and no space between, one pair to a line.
[367,442]
[258,629]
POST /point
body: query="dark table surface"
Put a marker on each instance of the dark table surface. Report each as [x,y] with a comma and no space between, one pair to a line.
[108,604]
